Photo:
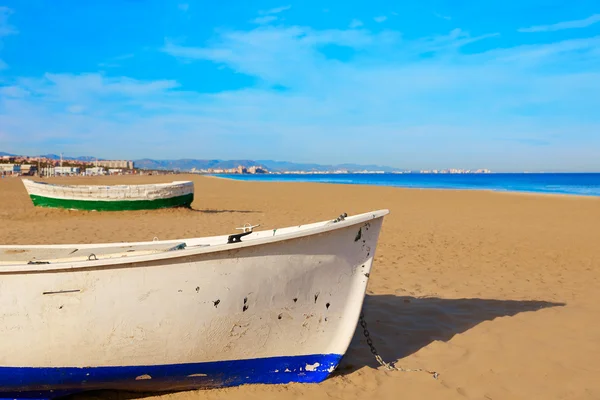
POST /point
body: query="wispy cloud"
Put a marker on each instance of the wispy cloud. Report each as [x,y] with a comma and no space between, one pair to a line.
[269,16]
[580,23]
[380,18]
[113,62]
[264,20]
[275,10]
[5,28]
[454,40]
[447,18]
[355,23]
[75,108]
[183,6]
[125,56]
[475,96]
[13,91]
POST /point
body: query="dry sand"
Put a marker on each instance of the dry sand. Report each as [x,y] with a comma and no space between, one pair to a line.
[499,293]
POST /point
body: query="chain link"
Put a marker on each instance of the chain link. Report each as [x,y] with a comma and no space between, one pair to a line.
[384,364]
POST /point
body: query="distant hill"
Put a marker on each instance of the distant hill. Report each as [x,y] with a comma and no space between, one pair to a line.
[81,158]
[187,164]
[281,166]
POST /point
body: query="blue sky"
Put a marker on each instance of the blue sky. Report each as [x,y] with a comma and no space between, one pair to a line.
[506,85]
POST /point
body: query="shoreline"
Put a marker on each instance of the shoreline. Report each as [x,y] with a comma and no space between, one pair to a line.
[350,184]
[499,191]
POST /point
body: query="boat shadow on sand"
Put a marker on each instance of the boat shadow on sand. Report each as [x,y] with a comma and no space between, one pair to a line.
[213,211]
[401,325]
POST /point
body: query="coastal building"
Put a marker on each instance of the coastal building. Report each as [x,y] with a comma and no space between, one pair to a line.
[95,171]
[115,164]
[10,169]
[28,169]
[256,170]
[66,170]
[47,171]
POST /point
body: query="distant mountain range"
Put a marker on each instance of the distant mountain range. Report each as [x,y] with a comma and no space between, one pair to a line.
[188,164]
[282,166]
[55,157]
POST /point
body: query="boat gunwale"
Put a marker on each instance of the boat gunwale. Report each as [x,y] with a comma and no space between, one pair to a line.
[327,226]
[167,184]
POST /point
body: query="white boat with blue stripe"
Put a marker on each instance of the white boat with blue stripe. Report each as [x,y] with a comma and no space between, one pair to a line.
[270,306]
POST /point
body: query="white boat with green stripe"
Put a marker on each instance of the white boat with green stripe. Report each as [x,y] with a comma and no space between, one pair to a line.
[111,198]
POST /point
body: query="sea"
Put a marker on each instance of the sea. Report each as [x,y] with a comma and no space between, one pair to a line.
[580,184]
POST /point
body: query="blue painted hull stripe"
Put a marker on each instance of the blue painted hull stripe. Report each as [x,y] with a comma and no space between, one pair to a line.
[31,382]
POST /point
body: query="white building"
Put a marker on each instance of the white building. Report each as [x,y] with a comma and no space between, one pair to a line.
[95,171]
[124,164]
[66,170]
[10,169]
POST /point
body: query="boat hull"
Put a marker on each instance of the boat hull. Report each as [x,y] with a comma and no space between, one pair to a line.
[110,198]
[117,205]
[277,312]
[174,377]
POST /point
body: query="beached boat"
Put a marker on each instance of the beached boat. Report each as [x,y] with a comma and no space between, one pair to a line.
[111,198]
[271,306]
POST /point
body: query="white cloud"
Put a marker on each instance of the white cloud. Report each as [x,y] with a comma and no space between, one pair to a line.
[13,91]
[276,10]
[5,28]
[75,108]
[124,56]
[580,23]
[355,23]
[380,19]
[447,18]
[264,20]
[113,64]
[456,39]
[268,17]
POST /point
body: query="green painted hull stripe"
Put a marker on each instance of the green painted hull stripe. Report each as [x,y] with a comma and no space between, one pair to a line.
[119,205]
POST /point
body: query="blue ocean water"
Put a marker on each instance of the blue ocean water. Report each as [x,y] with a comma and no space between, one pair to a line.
[582,184]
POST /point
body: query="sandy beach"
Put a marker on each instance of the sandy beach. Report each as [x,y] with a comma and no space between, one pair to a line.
[497,292]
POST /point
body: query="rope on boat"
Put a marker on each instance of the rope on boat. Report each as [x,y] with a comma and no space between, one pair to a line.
[388,366]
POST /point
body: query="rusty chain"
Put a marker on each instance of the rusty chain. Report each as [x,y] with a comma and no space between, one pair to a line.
[384,364]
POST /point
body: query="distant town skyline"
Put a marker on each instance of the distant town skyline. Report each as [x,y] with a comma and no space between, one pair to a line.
[510,86]
[185,165]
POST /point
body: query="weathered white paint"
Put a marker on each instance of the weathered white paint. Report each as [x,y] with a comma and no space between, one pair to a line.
[109,193]
[292,291]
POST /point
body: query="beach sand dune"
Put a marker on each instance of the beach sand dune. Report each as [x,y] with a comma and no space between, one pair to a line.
[496,292]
